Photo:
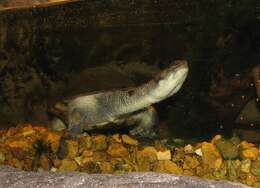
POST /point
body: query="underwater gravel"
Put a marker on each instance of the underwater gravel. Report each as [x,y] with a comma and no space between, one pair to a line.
[13,178]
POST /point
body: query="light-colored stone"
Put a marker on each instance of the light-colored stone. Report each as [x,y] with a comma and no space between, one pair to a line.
[164,155]
[188,149]
[198,152]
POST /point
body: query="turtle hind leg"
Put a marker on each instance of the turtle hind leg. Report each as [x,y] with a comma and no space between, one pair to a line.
[146,121]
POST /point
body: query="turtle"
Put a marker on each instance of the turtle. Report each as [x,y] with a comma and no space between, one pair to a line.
[126,107]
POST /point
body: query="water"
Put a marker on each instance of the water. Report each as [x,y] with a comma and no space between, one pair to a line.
[54,51]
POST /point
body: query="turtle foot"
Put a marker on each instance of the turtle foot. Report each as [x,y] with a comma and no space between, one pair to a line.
[143,132]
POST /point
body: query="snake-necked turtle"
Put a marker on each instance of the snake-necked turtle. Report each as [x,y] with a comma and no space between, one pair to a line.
[123,107]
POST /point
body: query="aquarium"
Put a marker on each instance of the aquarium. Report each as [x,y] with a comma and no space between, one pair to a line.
[113,88]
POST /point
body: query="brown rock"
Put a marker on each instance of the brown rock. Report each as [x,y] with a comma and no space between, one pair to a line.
[216,138]
[251,179]
[100,156]
[73,148]
[245,145]
[249,153]
[117,150]
[117,138]
[68,165]
[146,158]
[45,162]
[91,167]
[128,140]
[106,167]
[188,173]
[53,139]
[168,166]
[149,152]
[85,142]
[211,156]
[159,146]
[99,142]
[190,162]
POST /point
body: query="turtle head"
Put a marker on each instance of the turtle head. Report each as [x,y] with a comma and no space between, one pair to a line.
[170,80]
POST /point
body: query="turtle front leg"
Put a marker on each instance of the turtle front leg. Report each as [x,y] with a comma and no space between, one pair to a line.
[76,122]
[146,121]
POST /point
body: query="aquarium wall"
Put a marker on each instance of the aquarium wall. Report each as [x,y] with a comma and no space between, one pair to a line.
[51,52]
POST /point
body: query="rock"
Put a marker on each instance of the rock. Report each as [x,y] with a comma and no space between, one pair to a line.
[145,158]
[53,139]
[220,173]
[68,165]
[227,149]
[249,114]
[99,142]
[199,152]
[232,171]
[122,167]
[257,185]
[128,140]
[45,162]
[211,156]
[216,138]
[149,152]
[159,146]
[2,157]
[201,171]
[28,131]
[101,156]
[250,179]
[248,134]
[117,138]
[245,165]
[190,162]
[85,157]
[106,167]
[188,149]
[85,142]
[168,166]
[235,140]
[91,167]
[245,145]
[164,155]
[255,168]
[188,173]
[72,147]
[117,150]
[250,153]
